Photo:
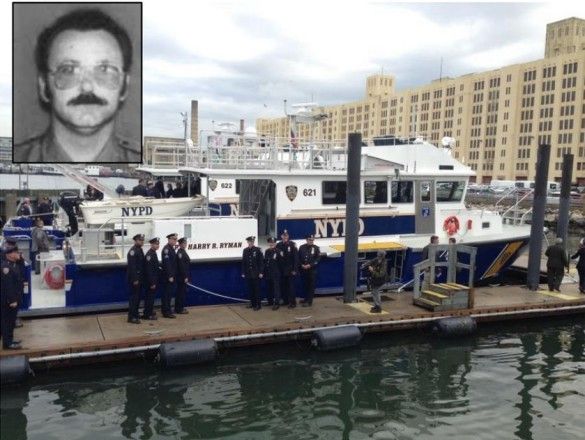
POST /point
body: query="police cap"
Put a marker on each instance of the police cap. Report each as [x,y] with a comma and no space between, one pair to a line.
[173,235]
[250,238]
[182,240]
[138,237]
[154,240]
[310,237]
[271,240]
[10,242]
[284,233]
[10,249]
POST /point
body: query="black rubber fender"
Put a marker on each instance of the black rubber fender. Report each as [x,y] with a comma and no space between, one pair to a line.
[14,369]
[176,354]
[337,337]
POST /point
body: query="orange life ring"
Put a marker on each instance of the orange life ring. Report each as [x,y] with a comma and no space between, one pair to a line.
[55,276]
[451,225]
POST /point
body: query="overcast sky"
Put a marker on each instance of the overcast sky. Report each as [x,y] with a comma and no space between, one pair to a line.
[240,59]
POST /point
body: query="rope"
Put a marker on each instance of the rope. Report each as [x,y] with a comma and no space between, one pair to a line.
[216,294]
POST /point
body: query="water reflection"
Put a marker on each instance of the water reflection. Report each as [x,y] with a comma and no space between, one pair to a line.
[527,381]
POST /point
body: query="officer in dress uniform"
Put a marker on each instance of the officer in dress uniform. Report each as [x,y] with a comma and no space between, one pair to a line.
[309,254]
[183,262]
[135,272]
[252,269]
[151,279]
[21,266]
[10,291]
[169,269]
[272,257]
[288,269]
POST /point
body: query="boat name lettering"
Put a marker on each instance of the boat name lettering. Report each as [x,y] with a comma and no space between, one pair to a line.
[333,227]
[135,211]
[215,245]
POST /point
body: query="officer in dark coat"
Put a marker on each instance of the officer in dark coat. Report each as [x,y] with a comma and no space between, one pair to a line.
[272,257]
[151,279]
[288,269]
[252,269]
[169,269]
[183,263]
[580,254]
[10,291]
[309,254]
[135,274]
[556,264]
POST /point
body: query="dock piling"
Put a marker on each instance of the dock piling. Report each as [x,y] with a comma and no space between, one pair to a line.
[565,200]
[354,154]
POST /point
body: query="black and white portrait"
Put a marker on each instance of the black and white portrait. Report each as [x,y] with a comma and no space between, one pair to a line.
[77,82]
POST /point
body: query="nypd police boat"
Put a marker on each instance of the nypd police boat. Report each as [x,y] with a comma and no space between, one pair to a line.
[409,188]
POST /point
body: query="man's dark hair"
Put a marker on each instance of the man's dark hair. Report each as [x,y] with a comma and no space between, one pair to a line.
[82,20]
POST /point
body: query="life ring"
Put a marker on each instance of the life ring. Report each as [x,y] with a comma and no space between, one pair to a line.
[451,225]
[55,276]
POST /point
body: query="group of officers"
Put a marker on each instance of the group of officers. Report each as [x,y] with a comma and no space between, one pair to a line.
[279,265]
[146,274]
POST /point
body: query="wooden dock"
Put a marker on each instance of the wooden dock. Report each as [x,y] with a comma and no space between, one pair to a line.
[63,341]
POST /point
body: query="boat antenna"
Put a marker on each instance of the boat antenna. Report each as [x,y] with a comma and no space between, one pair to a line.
[285,112]
[441,70]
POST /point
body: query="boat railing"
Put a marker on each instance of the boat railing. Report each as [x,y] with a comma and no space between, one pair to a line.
[264,154]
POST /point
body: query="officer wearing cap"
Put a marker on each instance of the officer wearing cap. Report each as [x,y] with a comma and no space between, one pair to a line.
[288,269]
[135,273]
[183,263]
[309,254]
[169,269]
[272,257]
[151,279]
[10,291]
[252,269]
[10,243]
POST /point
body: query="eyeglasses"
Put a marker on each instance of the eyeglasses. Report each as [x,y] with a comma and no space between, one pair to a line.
[70,75]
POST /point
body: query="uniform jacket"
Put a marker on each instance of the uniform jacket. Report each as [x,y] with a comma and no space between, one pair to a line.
[46,148]
[11,285]
[169,261]
[272,261]
[183,262]
[581,255]
[557,257]
[252,262]
[151,268]
[309,254]
[290,257]
[135,269]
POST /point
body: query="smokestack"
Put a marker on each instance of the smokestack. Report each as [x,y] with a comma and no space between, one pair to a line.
[242,126]
[195,122]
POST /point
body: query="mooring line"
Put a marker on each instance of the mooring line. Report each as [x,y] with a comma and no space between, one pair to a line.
[216,294]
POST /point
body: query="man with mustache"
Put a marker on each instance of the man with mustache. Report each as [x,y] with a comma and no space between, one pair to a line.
[83,60]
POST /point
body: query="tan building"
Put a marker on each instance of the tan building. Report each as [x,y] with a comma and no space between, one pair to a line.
[498,118]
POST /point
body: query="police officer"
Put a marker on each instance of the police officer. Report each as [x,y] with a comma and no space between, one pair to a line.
[556,264]
[10,291]
[309,254]
[169,269]
[252,269]
[10,243]
[288,269]
[135,274]
[183,262]
[151,279]
[272,257]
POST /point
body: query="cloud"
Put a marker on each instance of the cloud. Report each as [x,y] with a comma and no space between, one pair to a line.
[240,59]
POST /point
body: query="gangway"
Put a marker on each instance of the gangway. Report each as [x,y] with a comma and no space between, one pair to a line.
[79,177]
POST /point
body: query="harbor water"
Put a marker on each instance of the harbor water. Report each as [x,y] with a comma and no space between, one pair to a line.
[521,380]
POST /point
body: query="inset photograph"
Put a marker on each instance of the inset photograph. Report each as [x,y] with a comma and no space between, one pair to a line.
[77,83]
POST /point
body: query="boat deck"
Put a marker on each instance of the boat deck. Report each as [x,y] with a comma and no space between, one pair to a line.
[44,338]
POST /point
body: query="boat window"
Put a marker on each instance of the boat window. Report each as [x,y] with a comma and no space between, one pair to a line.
[375,191]
[402,191]
[450,191]
[425,191]
[334,192]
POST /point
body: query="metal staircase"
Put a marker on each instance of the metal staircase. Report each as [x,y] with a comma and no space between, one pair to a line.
[252,195]
[83,179]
